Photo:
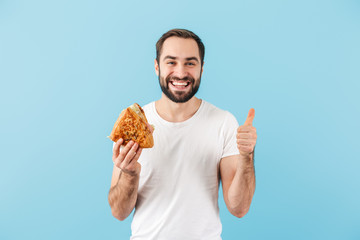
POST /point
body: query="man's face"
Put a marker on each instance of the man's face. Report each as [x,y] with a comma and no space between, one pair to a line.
[179,69]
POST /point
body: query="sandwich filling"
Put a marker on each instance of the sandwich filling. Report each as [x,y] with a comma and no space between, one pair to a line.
[136,109]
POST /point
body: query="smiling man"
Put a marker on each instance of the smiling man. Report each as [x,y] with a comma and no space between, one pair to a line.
[174,186]
[179,83]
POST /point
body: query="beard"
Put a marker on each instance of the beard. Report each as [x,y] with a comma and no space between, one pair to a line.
[179,96]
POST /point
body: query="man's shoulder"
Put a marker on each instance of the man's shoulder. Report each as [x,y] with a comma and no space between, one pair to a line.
[214,110]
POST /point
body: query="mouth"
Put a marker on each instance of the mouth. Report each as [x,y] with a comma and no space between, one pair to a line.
[179,85]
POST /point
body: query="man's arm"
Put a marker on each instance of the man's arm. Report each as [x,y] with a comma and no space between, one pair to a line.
[238,173]
[125,180]
[238,183]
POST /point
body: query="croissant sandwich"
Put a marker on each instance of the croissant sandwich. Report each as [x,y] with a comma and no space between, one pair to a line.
[133,125]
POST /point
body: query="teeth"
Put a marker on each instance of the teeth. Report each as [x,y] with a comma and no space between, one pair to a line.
[180,83]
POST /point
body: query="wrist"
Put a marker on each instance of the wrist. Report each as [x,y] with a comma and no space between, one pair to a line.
[129,176]
[245,161]
[247,156]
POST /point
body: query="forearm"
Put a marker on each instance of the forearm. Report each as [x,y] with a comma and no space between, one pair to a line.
[122,197]
[242,188]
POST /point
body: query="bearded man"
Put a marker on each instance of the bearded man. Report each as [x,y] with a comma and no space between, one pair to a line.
[174,186]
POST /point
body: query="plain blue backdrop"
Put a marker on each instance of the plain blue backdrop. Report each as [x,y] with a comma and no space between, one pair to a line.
[67,69]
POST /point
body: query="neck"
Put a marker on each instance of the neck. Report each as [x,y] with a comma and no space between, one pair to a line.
[176,112]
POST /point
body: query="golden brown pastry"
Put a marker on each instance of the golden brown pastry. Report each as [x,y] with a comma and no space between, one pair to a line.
[133,125]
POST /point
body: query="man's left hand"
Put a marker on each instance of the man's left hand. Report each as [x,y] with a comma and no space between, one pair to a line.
[246,135]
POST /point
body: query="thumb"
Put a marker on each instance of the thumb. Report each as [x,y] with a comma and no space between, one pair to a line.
[250,117]
[151,128]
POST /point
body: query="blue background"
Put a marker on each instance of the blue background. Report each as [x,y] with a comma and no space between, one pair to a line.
[67,69]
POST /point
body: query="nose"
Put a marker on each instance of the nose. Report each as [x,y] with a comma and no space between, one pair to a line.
[180,71]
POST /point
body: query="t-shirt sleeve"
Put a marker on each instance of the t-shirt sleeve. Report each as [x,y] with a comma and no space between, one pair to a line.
[229,133]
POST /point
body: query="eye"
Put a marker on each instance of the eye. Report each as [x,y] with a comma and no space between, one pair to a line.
[190,64]
[170,63]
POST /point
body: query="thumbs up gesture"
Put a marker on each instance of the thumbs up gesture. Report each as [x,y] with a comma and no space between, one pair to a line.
[246,135]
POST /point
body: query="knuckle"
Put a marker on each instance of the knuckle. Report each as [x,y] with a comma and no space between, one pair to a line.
[116,164]
[122,166]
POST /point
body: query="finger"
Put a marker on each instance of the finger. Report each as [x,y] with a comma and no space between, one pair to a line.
[137,155]
[246,141]
[245,128]
[250,117]
[244,136]
[150,127]
[116,149]
[125,151]
[245,149]
[249,135]
[130,155]
[136,158]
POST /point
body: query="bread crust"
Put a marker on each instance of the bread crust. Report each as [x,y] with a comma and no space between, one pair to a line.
[130,126]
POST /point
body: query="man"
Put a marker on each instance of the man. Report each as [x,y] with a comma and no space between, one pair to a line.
[174,185]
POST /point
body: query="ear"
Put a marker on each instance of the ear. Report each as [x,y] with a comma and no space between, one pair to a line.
[202,68]
[156,67]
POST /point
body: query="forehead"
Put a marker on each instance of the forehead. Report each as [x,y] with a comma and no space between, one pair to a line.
[180,47]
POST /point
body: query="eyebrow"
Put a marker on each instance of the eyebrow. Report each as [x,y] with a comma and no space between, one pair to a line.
[187,59]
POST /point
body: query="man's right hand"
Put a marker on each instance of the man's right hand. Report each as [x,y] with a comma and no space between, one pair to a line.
[127,158]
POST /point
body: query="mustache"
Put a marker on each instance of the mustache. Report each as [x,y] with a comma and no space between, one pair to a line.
[173,78]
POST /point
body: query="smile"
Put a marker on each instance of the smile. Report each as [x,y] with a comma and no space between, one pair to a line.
[180,84]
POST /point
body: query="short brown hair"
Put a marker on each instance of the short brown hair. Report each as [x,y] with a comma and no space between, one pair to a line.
[181,33]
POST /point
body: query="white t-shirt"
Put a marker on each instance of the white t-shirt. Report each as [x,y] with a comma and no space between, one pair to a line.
[179,179]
